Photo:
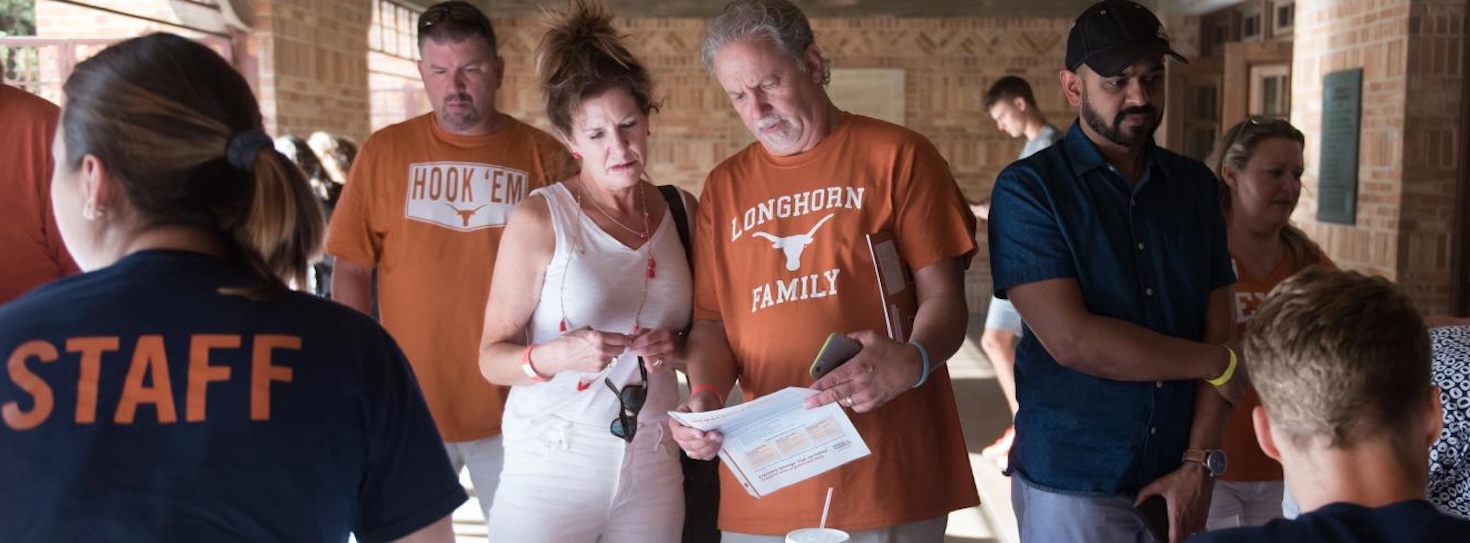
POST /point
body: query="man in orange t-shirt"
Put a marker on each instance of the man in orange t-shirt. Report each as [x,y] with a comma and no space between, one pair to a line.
[425,204]
[783,261]
[32,246]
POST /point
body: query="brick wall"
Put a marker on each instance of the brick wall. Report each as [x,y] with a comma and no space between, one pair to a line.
[313,65]
[306,58]
[949,63]
[1436,79]
[1413,78]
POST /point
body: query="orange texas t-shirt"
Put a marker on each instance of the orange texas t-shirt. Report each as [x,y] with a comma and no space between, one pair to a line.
[783,261]
[1247,461]
[427,209]
[34,252]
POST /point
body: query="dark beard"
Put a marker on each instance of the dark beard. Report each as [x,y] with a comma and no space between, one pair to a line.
[1115,132]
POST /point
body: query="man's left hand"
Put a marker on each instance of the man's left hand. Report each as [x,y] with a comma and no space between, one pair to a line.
[880,372]
[1187,493]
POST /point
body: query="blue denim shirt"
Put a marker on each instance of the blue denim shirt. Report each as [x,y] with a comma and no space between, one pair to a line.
[1148,254]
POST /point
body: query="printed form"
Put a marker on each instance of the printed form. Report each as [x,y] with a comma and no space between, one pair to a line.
[774,441]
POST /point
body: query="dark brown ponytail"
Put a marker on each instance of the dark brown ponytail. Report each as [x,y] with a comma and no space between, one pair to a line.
[163,113]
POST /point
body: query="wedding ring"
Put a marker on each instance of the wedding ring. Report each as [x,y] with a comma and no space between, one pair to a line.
[850,403]
[658,362]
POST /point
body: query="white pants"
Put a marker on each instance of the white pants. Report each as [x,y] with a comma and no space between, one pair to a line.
[484,459]
[580,483]
[923,531]
[1244,503]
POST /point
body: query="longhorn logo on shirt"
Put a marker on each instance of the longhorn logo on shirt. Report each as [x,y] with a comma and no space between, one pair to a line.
[463,196]
[795,245]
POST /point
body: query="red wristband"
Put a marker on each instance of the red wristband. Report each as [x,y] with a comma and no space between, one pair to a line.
[711,388]
[526,365]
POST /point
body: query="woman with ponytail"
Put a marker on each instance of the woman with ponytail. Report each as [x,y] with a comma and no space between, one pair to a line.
[1260,169]
[592,287]
[178,391]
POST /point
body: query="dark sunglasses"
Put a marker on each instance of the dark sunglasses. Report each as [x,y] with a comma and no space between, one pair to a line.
[461,13]
[631,398]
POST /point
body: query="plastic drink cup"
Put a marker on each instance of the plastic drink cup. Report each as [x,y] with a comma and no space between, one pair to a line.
[817,535]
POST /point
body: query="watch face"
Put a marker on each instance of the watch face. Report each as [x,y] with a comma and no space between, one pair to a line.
[1215,462]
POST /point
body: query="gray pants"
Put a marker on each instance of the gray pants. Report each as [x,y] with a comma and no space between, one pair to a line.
[924,531]
[1044,517]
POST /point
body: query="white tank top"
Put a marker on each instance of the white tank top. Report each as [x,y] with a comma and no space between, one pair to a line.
[599,282]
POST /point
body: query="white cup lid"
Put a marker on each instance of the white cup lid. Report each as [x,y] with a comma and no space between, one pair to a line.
[817,535]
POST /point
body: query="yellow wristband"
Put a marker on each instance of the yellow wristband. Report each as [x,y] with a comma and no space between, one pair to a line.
[1229,369]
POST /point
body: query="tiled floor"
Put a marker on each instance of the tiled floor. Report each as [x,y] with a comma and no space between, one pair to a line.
[983,415]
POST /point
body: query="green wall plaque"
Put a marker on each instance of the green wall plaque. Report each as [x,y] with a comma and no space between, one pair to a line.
[1342,112]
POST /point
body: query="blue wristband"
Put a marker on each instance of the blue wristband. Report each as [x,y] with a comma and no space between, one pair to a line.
[924,355]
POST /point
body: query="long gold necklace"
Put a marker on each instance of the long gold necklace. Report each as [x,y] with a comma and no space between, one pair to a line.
[647,249]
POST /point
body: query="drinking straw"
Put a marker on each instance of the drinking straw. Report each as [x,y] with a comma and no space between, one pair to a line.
[825,507]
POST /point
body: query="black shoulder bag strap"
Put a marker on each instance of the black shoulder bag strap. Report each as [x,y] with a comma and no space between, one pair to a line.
[701,477]
[675,198]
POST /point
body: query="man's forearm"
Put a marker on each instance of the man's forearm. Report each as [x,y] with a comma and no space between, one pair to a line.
[710,360]
[1211,410]
[1112,348]
[352,286]
[1123,351]
[942,317]
[1210,414]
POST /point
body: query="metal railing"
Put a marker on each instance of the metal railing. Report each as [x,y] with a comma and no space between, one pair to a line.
[41,65]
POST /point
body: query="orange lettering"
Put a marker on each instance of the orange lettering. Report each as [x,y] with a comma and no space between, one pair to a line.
[496,185]
[515,189]
[15,418]
[468,188]
[148,358]
[201,373]
[262,372]
[91,349]
[436,182]
[419,175]
[451,185]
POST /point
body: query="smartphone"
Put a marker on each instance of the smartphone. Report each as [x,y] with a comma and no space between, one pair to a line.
[836,351]
[1154,512]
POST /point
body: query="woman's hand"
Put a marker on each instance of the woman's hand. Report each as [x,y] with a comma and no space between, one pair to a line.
[660,348]
[583,349]
[698,444]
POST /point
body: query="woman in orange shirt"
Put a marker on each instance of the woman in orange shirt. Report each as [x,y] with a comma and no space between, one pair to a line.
[1260,170]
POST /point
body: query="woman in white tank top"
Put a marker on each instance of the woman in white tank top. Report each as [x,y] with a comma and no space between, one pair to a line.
[592,289]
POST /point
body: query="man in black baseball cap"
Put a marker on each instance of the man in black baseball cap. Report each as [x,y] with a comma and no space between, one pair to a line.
[1113,251]
[1113,34]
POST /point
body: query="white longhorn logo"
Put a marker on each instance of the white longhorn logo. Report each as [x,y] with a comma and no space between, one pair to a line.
[793,246]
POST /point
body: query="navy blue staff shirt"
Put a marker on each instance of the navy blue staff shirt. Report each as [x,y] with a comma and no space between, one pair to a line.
[141,404]
[1148,253]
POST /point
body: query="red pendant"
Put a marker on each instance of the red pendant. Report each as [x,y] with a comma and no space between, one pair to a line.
[652,264]
[582,386]
[562,326]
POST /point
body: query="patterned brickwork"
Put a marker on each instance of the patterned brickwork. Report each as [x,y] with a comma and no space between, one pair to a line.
[313,65]
[948,62]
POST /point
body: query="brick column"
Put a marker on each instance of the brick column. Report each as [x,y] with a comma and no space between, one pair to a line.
[1413,76]
[313,65]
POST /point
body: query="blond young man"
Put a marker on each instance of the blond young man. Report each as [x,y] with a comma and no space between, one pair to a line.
[1342,364]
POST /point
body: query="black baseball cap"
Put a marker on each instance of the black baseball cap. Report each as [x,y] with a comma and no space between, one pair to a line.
[1113,34]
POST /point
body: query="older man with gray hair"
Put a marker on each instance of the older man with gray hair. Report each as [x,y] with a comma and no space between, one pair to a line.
[783,261]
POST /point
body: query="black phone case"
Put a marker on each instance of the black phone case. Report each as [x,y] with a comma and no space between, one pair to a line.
[1154,512]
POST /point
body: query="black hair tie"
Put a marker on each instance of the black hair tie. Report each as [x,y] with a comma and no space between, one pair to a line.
[243,148]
